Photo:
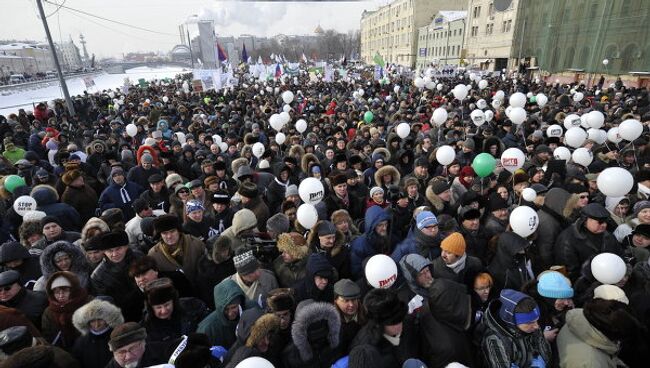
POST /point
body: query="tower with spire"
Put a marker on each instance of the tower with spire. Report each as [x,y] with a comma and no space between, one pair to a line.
[82,40]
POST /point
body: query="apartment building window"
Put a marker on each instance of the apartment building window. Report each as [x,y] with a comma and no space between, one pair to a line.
[491,9]
[477,11]
[489,28]
[503,26]
[509,25]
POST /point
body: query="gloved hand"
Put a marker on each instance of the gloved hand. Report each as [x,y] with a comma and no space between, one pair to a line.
[218,351]
[341,363]
[537,362]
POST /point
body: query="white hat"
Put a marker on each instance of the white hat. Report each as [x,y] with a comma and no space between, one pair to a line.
[60,282]
[611,292]
[33,216]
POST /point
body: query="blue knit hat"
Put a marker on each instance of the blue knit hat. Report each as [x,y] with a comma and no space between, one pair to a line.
[425,219]
[193,205]
[553,284]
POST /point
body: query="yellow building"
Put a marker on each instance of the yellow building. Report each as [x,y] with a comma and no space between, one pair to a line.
[392,30]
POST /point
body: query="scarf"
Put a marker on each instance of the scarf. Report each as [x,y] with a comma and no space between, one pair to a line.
[459,265]
[249,291]
[345,200]
[125,195]
[175,255]
[284,185]
[393,340]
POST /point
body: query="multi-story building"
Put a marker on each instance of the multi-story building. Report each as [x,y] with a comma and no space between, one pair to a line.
[489,38]
[32,58]
[392,30]
[440,42]
[69,55]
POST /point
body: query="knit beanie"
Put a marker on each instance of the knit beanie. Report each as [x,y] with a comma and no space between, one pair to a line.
[554,285]
[172,179]
[278,223]
[454,243]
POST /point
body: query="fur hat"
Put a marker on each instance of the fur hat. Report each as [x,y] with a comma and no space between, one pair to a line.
[166,223]
[96,309]
[280,299]
[108,240]
[266,325]
[70,176]
[93,223]
[338,179]
[310,315]
[341,215]
[293,244]
[248,189]
[384,307]
[160,291]
[125,334]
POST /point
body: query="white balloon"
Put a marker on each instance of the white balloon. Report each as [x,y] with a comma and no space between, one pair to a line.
[575,137]
[630,129]
[597,135]
[517,99]
[131,130]
[478,117]
[613,136]
[605,61]
[554,131]
[578,96]
[217,139]
[311,191]
[403,130]
[596,119]
[529,94]
[500,95]
[307,215]
[439,86]
[541,99]
[482,84]
[147,101]
[301,125]
[258,149]
[276,122]
[481,104]
[489,115]
[572,120]
[496,103]
[287,96]
[460,92]
[583,121]
[286,108]
[615,182]
[562,153]
[582,156]
[439,116]
[355,95]
[508,111]
[165,99]
[223,146]
[524,221]
[608,268]
[254,362]
[517,115]
[445,155]
[285,117]
[430,85]
[280,138]
[24,204]
[396,89]
[472,76]
[512,159]
[528,194]
[418,82]
[381,271]
[361,92]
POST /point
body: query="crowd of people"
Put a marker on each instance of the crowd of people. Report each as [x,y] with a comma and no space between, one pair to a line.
[169,226]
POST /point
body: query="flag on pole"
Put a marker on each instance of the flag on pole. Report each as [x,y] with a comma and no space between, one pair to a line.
[89,82]
[278,70]
[244,54]
[304,58]
[259,60]
[379,60]
[221,53]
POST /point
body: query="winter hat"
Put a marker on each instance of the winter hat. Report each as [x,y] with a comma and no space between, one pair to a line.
[384,307]
[318,265]
[38,356]
[12,251]
[106,241]
[14,339]
[469,144]
[33,216]
[70,176]
[469,213]
[439,186]
[160,291]
[146,158]
[155,178]
[60,281]
[278,223]
[341,215]
[640,206]
[172,179]
[642,229]
[96,309]
[166,223]
[454,243]
[248,189]
[376,190]
[49,219]
[193,205]
[338,179]
[293,244]
[520,177]
[280,299]
[221,196]
[117,171]
[426,219]
[245,261]
[197,352]
[324,228]
[9,277]
[552,284]
[140,205]
[125,334]
[611,292]
[496,202]
[347,289]
[509,300]
[291,190]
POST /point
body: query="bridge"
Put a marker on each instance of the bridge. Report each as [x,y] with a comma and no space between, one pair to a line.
[120,67]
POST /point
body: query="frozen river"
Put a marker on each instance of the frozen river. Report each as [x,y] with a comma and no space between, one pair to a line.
[25,97]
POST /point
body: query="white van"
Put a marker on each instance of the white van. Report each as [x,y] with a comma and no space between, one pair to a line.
[50,74]
[16,78]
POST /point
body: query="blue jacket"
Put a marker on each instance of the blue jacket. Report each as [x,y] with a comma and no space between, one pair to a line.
[418,243]
[111,198]
[363,246]
[47,200]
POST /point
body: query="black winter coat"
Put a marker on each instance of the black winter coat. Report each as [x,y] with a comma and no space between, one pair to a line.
[92,350]
[188,312]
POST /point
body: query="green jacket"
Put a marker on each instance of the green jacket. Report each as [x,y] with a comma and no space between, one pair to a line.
[14,155]
[580,344]
[220,331]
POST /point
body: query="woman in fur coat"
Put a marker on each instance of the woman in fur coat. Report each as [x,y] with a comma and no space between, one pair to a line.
[95,321]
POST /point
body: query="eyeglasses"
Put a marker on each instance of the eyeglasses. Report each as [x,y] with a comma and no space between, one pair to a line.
[584,196]
[6,288]
[600,221]
[131,351]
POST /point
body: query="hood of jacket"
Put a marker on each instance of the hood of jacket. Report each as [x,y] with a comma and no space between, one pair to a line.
[93,223]
[509,299]
[12,251]
[306,159]
[411,266]
[97,309]
[263,326]
[556,200]
[225,293]
[246,322]
[374,215]
[243,219]
[76,291]
[387,170]
[79,265]
[308,314]
[579,326]
[44,195]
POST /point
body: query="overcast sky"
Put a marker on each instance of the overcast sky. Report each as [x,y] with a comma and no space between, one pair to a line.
[20,20]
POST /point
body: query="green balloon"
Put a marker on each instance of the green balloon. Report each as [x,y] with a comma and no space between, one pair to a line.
[12,182]
[484,164]
[533,99]
[368,116]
